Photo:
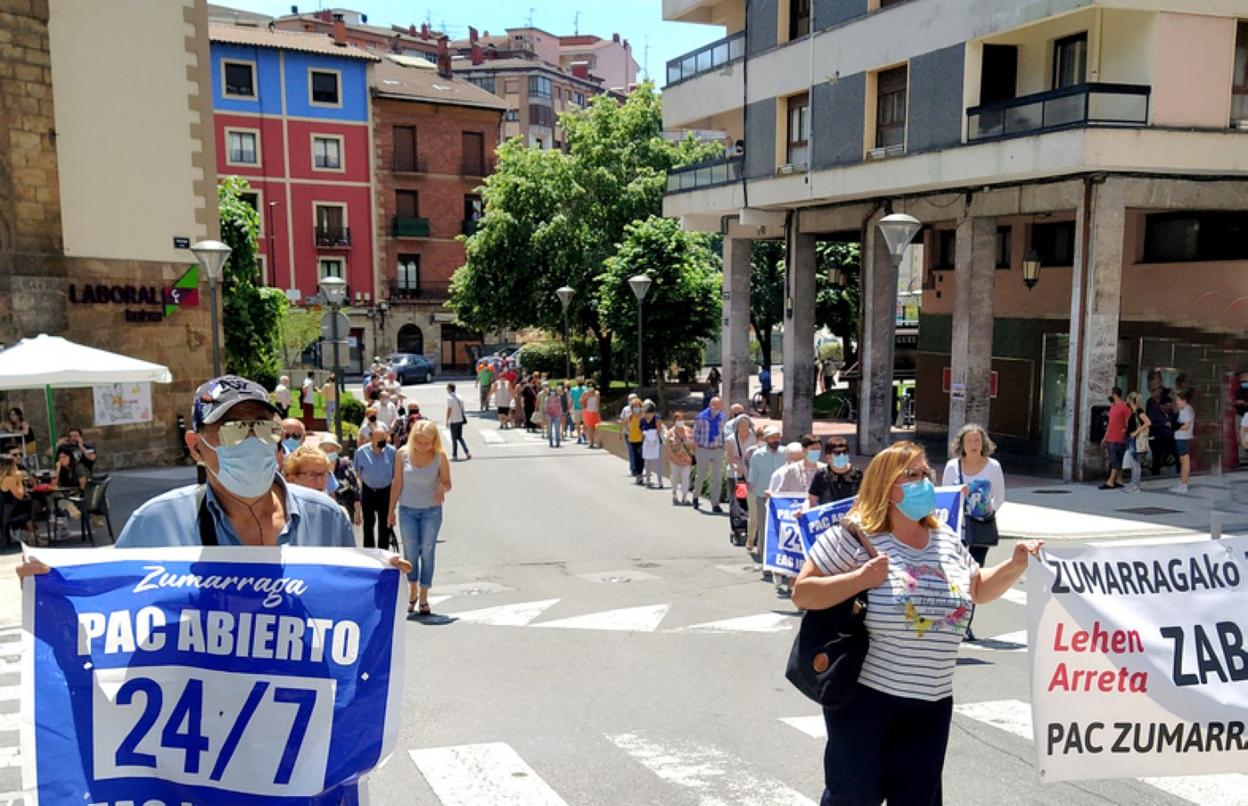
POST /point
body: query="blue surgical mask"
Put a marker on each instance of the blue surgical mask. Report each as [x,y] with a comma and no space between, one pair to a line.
[813,456]
[291,445]
[918,499]
[333,458]
[247,469]
[840,461]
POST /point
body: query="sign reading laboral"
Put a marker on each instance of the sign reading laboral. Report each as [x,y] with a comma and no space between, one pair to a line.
[209,675]
[1139,660]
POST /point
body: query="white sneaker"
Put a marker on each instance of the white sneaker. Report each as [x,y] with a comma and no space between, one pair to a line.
[1179,488]
[1133,488]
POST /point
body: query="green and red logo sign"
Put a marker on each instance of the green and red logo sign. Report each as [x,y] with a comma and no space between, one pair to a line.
[183,292]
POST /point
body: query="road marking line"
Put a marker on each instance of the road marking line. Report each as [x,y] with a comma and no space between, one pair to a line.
[812,726]
[510,615]
[1007,642]
[741,569]
[1014,716]
[472,588]
[10,798]
[1015,595]
[763,622]
[713,776]
[472,774]
[629,619]
[627,575]
[9,722]
[491,437]
[9,693]
[9,757]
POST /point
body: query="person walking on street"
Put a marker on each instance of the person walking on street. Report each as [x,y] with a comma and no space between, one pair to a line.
[422,478]
[591,402]
[456,418]
[553,410]
[795,477]
[971,467]
[374,464]
[737,446]
[1137,440]
[485,379]
[651,443]
[308,466]
[680,449]
[1183,435]
[1160,409]
[630,424]
[919,582]
[838,479]
[1115,439]
[712,387]
[346,488]
[528,397]
[503,399]
[576,395]
[307,398]
[708,436]
[281,396]
[763,463]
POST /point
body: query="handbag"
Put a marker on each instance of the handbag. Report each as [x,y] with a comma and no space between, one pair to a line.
[829,649]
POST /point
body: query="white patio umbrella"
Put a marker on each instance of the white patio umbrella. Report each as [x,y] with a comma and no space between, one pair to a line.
[51,362]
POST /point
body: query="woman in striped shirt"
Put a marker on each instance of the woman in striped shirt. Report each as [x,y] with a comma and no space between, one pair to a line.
[889,742]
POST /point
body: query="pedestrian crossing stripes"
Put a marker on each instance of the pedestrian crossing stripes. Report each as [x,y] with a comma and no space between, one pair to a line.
[509,615]
[1006,642]
[763,622]
[629,619]
[1015,596]
[473,774]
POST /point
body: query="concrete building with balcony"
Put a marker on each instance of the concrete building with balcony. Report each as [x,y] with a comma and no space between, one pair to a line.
[1080,168]
[435,136]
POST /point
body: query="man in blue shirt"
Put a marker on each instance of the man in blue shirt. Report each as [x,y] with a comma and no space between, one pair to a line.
[374,465]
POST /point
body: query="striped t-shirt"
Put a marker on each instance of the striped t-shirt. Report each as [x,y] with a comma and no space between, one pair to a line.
[917,618]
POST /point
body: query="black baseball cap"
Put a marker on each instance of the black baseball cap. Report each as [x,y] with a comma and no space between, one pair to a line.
[215,398]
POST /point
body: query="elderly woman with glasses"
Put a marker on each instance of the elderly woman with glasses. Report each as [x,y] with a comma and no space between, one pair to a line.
[308,467]
[920,584]
[837,479]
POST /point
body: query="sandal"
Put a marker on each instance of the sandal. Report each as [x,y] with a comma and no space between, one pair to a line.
[411,606]
[424,609]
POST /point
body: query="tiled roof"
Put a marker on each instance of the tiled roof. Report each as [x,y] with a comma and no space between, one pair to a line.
[262,37]
[392,79]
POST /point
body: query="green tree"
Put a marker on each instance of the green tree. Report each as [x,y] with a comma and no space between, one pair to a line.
[553,218]
[682,307]
[766,293]
[251,315]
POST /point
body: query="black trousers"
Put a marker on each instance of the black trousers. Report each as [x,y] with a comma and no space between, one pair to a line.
[1162,447]
[375,503]
[457,439]
[883,747]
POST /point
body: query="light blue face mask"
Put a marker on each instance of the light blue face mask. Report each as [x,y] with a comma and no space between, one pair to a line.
[814,456]
[918,499]
[333,458]
[247,469]
[840,461]
[291,445]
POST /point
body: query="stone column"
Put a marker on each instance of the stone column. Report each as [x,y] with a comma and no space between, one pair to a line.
[970,361]
[735,353]
[875,353]
[1096,294]
[799,336]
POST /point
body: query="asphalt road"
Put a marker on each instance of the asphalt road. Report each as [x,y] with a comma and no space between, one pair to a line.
[600,646]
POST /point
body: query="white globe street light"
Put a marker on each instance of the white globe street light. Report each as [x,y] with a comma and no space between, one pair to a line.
[640,284]
[211,257]
[565,295]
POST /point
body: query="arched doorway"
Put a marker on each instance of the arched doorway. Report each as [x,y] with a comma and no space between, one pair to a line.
[411,340]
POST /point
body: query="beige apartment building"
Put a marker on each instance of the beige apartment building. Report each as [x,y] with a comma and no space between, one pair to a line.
[1081,171]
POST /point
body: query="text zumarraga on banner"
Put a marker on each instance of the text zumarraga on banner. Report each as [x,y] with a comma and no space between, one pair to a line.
[1139,663]
[264,676]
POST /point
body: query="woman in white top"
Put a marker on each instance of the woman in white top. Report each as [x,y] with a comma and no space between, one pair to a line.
[1183,434]
[983,484]
[740,442]
[888,742]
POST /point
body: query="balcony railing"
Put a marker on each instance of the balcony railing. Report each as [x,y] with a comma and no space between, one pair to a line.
[410,227]
[333,237]
[720,171]
[423,292]
[707,58]
[1080,105]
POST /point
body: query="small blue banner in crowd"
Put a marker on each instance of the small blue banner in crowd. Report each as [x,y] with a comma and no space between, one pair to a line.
[267,676]
[792,529]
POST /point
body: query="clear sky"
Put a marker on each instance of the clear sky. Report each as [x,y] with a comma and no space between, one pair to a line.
[638,21]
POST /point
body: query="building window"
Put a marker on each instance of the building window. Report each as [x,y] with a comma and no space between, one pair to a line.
[406,204]
[539,86]
[1070,61]
[944,251]
[252,199]
[1054,243]
[579,99]
[473,146]
[327,153]
[512,116]
[890,107]
[330,267]
[324,85]
[1195,236]
[238,79]
[1239,82]
[241,147]
[474,208]
[799,18]
[540,115]
[331,225]
[797,151]
[404,148]
[484,82]
[409,272]
[1004,247]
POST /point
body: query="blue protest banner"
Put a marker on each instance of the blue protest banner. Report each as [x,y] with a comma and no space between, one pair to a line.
[816,521]
[782,547]
[268,676]
[949,508]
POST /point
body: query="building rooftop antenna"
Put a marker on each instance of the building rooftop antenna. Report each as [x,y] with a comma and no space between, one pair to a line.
[645,58]
[576,23]
[531,10]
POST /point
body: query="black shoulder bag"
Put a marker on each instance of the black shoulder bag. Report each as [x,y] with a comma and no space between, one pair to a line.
[203,518]
[830,647]
[978,531]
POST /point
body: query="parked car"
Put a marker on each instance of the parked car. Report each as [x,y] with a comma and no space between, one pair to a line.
[411,368]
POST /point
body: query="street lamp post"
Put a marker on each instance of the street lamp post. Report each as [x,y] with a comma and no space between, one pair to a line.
[898,230]
[640,284]
[334,289]
[1031,268]
[211,256]
[565,295]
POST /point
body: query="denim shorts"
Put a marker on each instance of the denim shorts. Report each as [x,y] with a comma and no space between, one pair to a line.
[1182,447]
[1117,450]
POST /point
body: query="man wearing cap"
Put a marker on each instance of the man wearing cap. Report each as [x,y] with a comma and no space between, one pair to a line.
[235,436]
[763,463]
[374,465]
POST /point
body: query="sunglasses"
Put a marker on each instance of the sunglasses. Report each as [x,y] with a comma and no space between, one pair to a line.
[312,474]
[232,432]
[292,436]
[838,450]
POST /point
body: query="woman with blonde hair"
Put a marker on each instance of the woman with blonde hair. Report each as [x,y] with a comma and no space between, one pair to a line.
[888,741]
[308,467]
[422,478]
[1138,425]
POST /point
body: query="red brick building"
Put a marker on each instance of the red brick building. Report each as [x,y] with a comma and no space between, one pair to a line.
[434,138]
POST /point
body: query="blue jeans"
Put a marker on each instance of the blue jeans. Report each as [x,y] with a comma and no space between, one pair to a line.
[554,430]
[419,528]
[635,463]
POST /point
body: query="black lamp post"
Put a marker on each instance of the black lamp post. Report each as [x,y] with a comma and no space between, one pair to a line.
[565,295]
[640,284]
[334,289]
